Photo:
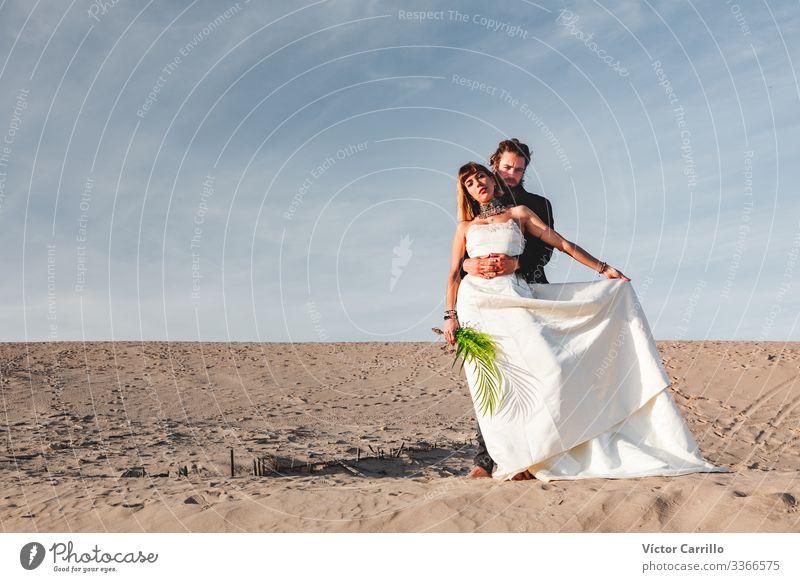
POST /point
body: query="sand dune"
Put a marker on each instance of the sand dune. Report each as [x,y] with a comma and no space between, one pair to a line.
[78,416]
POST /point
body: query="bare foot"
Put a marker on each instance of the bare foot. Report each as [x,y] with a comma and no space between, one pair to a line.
[478,473]
[523,476]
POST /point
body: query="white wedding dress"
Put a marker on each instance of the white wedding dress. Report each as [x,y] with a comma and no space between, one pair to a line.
[584,393]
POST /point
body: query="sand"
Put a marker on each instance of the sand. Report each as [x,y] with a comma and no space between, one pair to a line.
[76,417]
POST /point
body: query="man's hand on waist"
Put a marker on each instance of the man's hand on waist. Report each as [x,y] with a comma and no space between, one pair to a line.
[490,266]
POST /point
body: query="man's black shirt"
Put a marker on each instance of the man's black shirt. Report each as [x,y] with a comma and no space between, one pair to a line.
[536,254]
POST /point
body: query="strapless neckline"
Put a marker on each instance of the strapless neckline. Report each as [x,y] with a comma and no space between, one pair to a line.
[497,225]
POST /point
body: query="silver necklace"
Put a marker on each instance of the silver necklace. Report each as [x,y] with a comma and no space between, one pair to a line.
[494,206]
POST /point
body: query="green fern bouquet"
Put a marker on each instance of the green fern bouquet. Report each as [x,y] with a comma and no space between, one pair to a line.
[480,351]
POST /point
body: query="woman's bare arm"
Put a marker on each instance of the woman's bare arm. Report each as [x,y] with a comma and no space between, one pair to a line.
[536,226]
[454,278]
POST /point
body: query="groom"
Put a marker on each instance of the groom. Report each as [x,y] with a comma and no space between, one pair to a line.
[510,161]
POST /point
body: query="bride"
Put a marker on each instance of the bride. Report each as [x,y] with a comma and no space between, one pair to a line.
[583,391]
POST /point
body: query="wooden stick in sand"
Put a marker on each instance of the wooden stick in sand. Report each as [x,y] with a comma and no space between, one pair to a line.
[351,469]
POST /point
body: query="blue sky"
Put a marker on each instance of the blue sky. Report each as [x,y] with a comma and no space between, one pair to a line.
[284,171]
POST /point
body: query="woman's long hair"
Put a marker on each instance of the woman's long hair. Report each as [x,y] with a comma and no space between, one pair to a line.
[468,207]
